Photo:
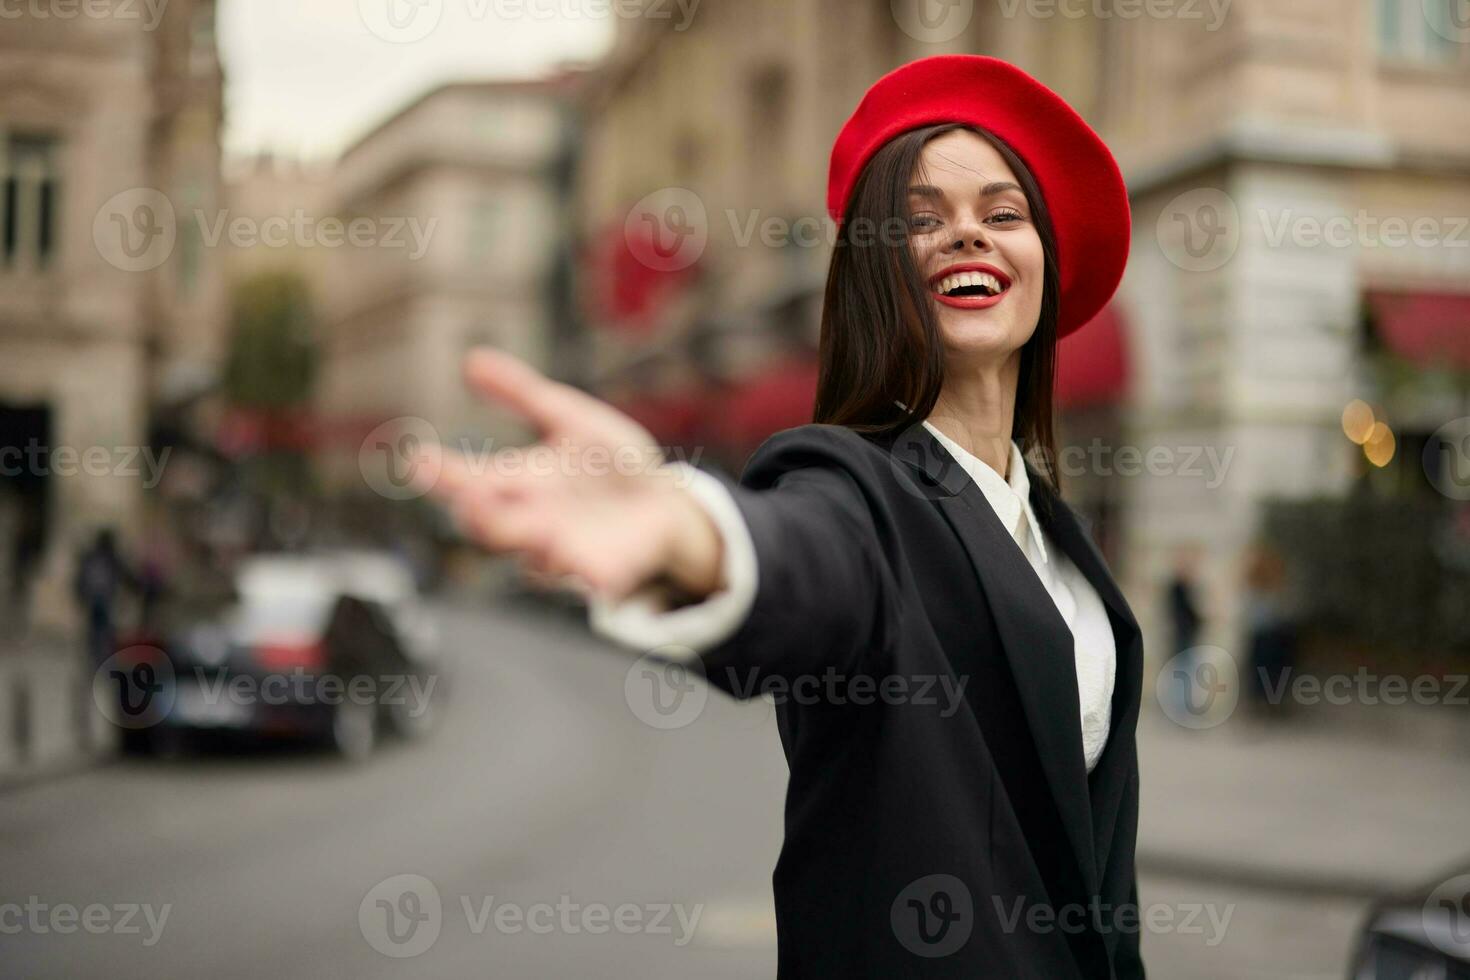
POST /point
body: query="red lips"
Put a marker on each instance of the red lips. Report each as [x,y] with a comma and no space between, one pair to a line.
[970,302]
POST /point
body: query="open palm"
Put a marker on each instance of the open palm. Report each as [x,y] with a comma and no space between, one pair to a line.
[593,502]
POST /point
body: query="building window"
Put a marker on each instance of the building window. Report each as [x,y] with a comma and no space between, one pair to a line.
[1421,31]
[29,187]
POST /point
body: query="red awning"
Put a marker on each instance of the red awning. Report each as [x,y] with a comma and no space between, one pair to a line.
[673,418]
[631,277]
[1092,363]
[775,398]
[1425,328]
[250,431]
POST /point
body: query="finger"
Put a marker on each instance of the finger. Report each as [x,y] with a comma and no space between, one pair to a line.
[506,474]
[595,560]
[503,524]
[549,405]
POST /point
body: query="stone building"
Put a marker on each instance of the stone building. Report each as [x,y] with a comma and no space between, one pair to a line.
[110,302]
[1299,175]
[462,199]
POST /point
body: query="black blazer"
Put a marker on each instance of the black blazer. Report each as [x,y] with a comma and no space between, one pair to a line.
[930,833]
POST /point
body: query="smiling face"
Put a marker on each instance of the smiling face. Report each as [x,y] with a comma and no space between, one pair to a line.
[976,246]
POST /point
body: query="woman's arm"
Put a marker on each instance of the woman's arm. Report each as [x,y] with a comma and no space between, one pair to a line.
[644,620]
[822,595]
[807,587]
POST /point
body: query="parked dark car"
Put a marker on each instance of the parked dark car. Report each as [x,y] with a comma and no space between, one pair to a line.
[336,648]
[1423,934]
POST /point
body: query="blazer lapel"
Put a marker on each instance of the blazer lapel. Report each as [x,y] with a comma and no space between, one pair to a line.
[1110,775]
[1064,525]
[1038,644]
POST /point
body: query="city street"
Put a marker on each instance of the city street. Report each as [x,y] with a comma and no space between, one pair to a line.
[541,788]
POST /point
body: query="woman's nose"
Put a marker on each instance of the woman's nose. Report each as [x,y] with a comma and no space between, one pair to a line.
[970,234]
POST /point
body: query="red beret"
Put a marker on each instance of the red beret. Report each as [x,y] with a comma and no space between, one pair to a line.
[1078,176]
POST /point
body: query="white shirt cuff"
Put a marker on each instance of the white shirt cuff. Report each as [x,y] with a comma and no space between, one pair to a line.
[638,622]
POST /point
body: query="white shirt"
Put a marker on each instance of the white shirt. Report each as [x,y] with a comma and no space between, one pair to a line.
[682,633]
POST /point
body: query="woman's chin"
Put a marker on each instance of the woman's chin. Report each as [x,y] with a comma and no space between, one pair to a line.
[978,333]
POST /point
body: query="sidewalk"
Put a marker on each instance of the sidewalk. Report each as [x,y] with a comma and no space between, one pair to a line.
[45,727]
[1330,805]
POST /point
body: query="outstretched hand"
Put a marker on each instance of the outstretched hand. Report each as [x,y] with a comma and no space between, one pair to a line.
[593,502]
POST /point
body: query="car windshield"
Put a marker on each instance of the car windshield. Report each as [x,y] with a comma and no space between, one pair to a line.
[281,600]
[273,614]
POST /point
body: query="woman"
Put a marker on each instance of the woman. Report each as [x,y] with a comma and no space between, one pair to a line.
[898,549]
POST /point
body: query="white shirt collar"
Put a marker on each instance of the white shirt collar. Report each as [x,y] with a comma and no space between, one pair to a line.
[1009,497]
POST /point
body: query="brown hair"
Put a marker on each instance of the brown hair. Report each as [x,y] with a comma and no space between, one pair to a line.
[880,339]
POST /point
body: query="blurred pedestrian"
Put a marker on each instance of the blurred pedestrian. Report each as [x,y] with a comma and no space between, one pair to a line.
[1184,623]
[101,573]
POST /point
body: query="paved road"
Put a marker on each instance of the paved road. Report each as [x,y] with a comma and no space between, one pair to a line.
[560,835]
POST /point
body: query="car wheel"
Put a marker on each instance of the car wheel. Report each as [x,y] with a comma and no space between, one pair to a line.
[354,730]
[411,721]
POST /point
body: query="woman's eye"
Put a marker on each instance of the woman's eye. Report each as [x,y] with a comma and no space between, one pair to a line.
[1006,214]
[924,221]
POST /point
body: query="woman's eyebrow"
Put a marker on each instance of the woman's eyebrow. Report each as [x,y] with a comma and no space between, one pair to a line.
[989,190]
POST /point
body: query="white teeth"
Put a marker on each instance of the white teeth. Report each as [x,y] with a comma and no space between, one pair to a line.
[950,283]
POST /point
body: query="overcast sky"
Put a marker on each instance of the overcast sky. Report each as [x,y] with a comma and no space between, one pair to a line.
[306,77]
